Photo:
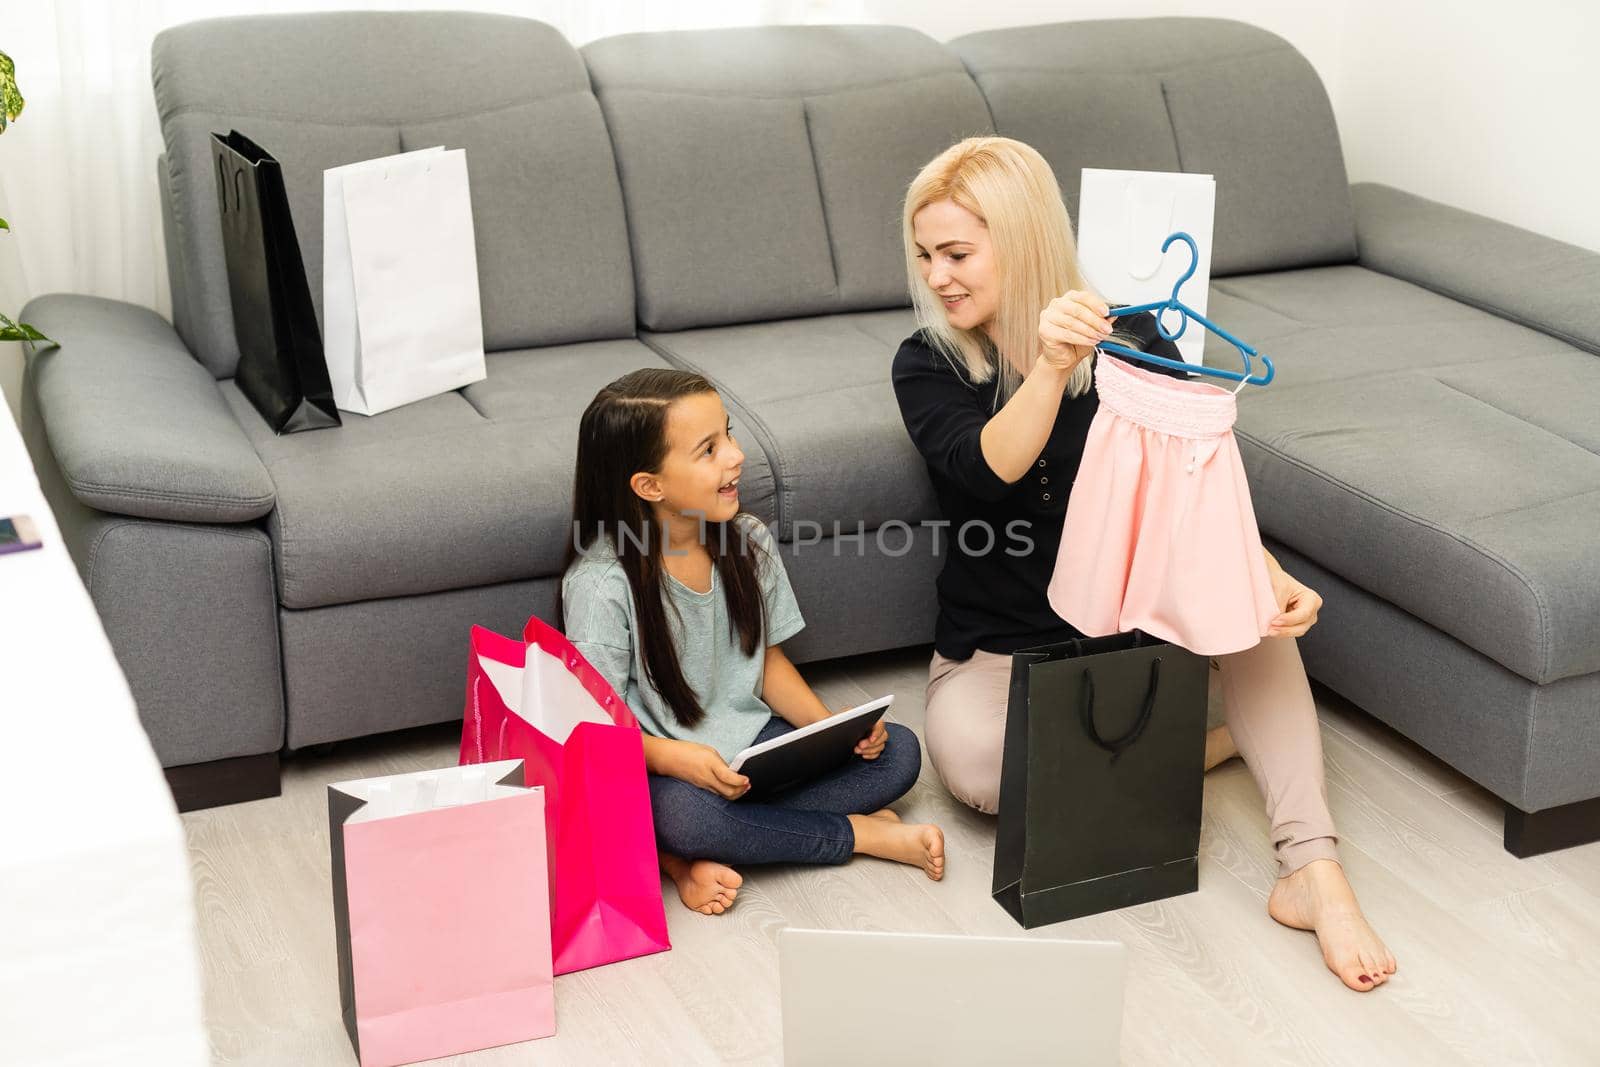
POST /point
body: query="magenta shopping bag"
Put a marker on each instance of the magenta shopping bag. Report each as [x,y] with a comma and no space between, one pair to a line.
[441,912]
[539,700]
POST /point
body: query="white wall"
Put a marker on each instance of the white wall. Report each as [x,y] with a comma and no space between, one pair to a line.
[1489,107]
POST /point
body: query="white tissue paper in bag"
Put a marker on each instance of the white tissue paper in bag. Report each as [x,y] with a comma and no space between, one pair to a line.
[545,693]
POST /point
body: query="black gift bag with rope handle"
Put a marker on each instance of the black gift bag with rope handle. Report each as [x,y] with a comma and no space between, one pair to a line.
[1101,779]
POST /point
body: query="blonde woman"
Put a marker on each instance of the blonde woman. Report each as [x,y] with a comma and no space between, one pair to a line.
[995,390]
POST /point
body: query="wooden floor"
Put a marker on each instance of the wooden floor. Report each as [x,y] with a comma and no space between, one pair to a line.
[1499,957]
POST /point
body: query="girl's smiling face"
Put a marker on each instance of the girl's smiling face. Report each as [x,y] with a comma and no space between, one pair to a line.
[957,261]
[700,475]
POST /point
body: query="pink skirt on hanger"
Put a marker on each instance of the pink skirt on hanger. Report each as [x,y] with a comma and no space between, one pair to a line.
[1160,535]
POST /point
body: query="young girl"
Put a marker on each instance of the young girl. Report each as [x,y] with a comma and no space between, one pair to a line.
[681,602]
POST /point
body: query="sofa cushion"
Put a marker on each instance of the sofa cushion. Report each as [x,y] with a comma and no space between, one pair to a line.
[467,488]
[764,169]
[1203,96]
[1327,323]
[321,90]
[817,395]
[1432,454]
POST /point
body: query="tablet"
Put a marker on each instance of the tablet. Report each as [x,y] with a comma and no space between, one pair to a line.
[804,754]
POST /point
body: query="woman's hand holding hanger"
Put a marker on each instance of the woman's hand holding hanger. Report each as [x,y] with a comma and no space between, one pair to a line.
[1070,326]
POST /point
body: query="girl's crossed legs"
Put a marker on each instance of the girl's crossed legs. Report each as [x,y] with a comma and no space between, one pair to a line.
[822,821]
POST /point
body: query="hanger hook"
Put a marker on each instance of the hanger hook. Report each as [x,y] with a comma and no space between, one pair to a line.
[1172,303]
[1194,259]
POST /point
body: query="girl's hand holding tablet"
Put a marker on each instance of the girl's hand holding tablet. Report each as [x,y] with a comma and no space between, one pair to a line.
[704,766]
[871,747]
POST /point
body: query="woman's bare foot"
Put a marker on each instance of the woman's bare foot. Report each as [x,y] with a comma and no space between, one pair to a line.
[887,813]
[1219,746]
[1318,897]
[703,885]
[890,839]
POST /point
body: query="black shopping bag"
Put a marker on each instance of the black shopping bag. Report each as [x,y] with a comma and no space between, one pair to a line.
[1101,781]
[282,370]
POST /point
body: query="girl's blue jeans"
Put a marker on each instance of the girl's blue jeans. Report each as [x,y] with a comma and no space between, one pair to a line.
[804,824]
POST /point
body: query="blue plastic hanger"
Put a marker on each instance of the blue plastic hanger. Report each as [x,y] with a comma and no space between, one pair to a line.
[1185,313]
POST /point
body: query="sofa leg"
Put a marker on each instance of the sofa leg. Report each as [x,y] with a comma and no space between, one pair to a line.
[224,781]
[1531,834]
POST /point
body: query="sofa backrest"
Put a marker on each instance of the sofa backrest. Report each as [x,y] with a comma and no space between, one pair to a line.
[321,90]
[764,169]
[1207,96]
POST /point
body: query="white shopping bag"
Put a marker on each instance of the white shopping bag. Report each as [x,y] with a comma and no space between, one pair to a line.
[1123,216]
[401,319]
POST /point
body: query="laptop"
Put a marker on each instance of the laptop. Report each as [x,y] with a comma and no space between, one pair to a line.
[927,999]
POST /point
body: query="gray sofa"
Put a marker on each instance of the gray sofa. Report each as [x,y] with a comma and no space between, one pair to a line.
[728,201]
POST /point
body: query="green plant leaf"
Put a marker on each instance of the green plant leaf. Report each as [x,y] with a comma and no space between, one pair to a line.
[19,331]
[10,98]
[23,332]
[10,108]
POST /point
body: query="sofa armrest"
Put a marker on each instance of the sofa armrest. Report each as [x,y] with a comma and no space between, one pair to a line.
[1537,281]
[137,426]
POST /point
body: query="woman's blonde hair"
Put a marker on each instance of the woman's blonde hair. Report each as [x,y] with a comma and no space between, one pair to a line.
[1011,188]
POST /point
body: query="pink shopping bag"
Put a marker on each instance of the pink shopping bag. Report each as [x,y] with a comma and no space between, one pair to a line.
[441,912]
[539,700]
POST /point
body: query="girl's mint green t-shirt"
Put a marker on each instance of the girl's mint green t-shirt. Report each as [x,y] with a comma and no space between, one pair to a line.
[600,622]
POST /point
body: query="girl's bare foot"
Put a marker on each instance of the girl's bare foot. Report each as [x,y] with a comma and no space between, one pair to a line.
[1219,746]
[1318,897]
[703,885]
[890,839]
[887,813]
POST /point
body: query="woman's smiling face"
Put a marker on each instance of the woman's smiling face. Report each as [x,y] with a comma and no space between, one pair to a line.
[957,261]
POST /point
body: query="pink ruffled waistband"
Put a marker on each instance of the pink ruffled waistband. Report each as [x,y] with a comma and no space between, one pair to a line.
[1163,403]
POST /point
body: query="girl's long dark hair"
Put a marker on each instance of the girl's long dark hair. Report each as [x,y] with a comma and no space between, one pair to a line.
[624,431]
